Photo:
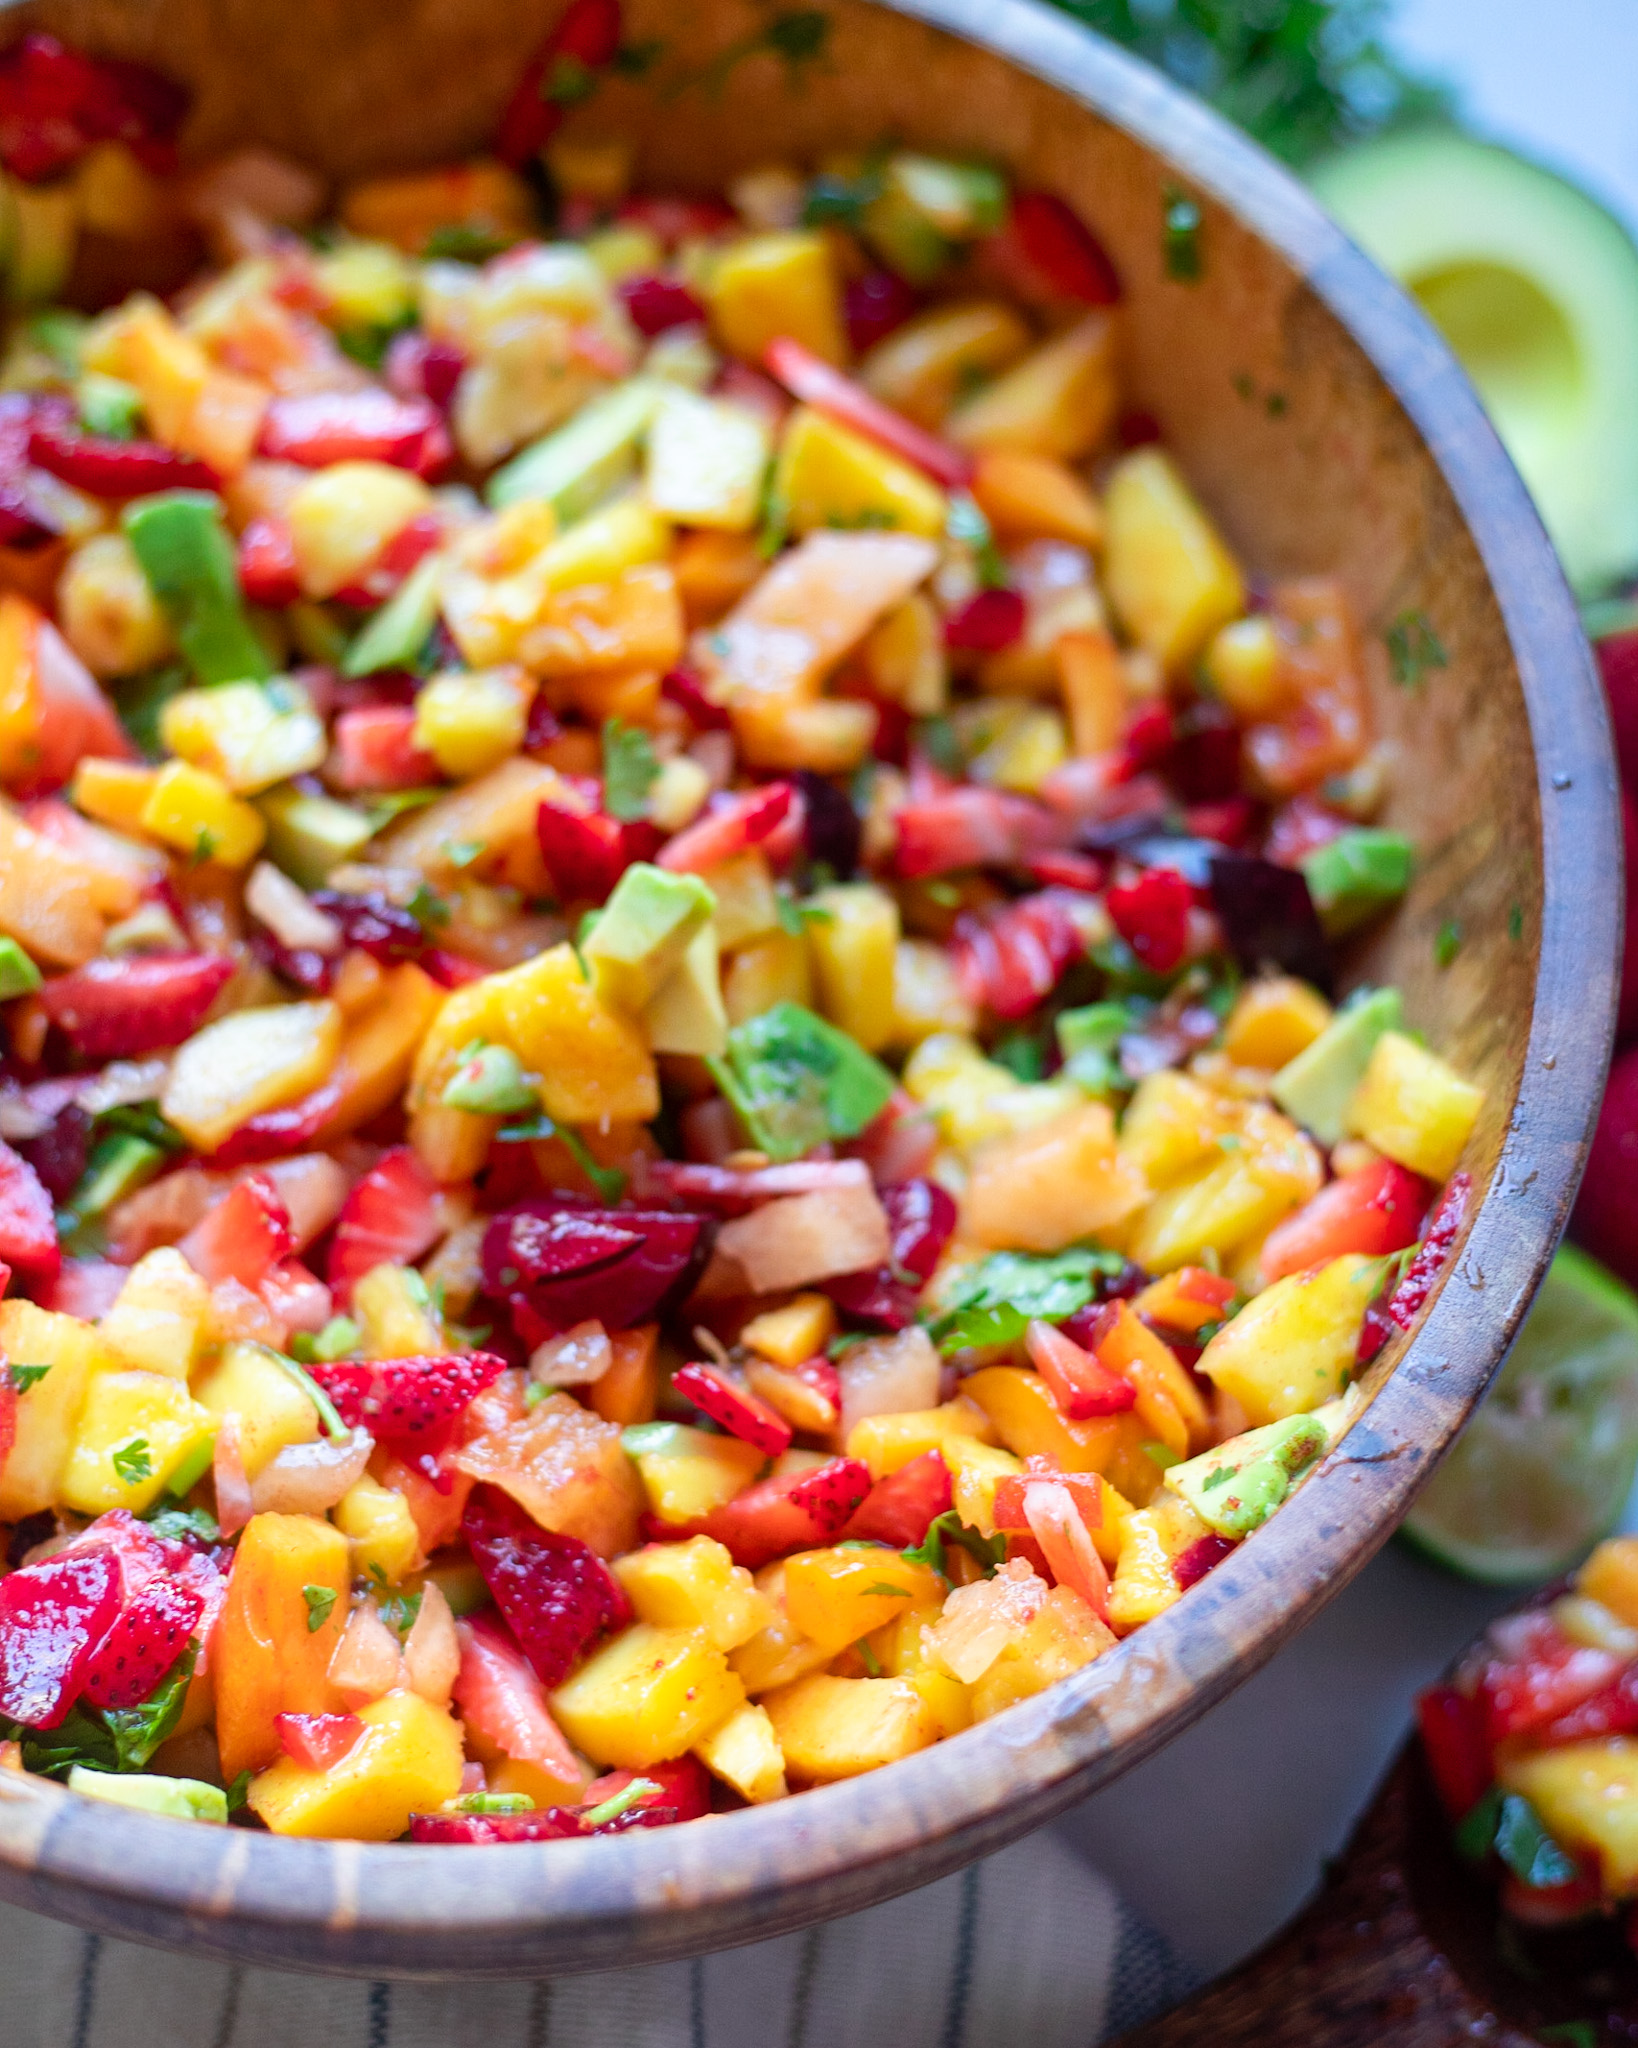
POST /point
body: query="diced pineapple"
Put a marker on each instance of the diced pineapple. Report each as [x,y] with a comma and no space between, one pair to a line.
[1273,1020]
[853,940]
[923,367]
[471,720]
[1414,1107]
[247,1062]
[611,629]
[789,1335]
[1171,1123]
[383,1543]
[195,811]
[1024,753]
[158,1320]
[694,1585]
[973,1097]
[771,285]
[827,475]
[136,1432]
[248,735]
[744,1752]
[1269,1167]
[365,284]
[1587,1796]
[747,907]
[1044,1188]
[271,1407]
[1243,666]
[830,1728]
[927,993]
[1152,1538]
[1059,401]
[706,461]
[835,1596]
[48,1410]
[1292,1348]
[902,1650]
[775,969]
[108,611]
[688,1472]
[342,517]
[646,1696]
[906,661]
[395,1314]
[1064,1636]
[408,1760]
[885,1442]
[1169,576]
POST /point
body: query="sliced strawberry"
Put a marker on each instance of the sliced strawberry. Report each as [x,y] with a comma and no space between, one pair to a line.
[738,1410]
[1151,913]
[1055,1521]
[737,823]
[317,1741]
[502,1701]
[243,1237]
[54,1616]
[1060,249]
[317,428]
[555,1592]
[28,1225]
[391,1218]
[586,852]
[401,1398]
[900,1508]
[1085,1489]
[547,1824]
[149,1636]
[792,1511]
[1375,1211]
[1009,959]
[277,1132]
[1079,1382]
[373,748]
[267,564]
[989,621]
[683,1787]
[118,1009]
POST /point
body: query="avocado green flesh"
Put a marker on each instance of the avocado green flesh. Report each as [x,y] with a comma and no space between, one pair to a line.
[1315,1087]
[178,1798]
[1535,287]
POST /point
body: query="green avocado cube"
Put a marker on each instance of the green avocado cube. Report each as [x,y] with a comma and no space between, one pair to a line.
[307,835]
[576,466]
[1236,1487]
[643,932]
[490,1081]
[686,1013]
[1356,876]
[18,974]
[1316,1086]
[394,636]
[179,1798]
[189,561]
[795,1081]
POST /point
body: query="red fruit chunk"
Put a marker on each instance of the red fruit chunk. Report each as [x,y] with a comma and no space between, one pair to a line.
[371,922]
[55,102]
[587,854]
[246,1234]
[1618,664]
[1228,823]
[738,1410]
[1554,1905]
[143,1644]
[317,428]
[1202,1556]
[1410,1297]
[682,1787]
[395,1398]
[267,564]
[1063,251]
[1606,1213]
[1613,1711]
[1079,871]
[1458,1757]
[54,1617]
[277,1132]
[373,748]
[1079,1381]
[673,219]
[118,1009]
[87,1288]
[873,305]
[968,827]
[586,38]
[795,1511]
[1152,916]
[524,1246]
[921,1218]
[680,686]
[554,1591]
[501,1701]
[815,382]
[1626,1017]
[8,1414]
[1375,1211]
[900,1508]
[987,622]
[731,827]
[418,367]
[547,1824]
[1009,958]
[1541,1676]
[391,1217]
[658,303]
[106,468]
[317,1741]
[639,1285]
[28,1226]
[409,546]
[1084,1490]
[1149,738]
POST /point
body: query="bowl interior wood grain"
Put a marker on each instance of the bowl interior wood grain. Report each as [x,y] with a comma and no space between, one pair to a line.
[1330,431]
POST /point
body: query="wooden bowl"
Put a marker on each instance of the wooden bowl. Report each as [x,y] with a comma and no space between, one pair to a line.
[1329,428]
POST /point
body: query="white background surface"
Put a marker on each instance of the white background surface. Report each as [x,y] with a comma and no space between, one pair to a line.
[1221,1837]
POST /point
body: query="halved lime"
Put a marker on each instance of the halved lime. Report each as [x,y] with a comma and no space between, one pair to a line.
[1545,1466]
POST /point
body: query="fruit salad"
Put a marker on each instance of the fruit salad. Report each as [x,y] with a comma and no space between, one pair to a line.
[674,1118]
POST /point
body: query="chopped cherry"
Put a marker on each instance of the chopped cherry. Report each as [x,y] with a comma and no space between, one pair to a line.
[988,622]
[873,306]
[1151,913]
[1204,1554]
[657,304]
[419,367]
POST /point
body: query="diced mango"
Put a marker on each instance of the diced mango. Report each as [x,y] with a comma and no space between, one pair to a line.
[593,1063]
[395,1315]
[1273,1020]
[835,1596]
[1035,497]
[1244,668]
[276,1636]
[1044,1188]
[1610,1576]
[775,969]
[108,611]
[115,793]
[342,517]
[853,942]
[778,1654]
[248,735]
[1292,1348]
[379,1049]
[976,1471]
[383,1542]
[1169,575]
[885,1442]
[408,1760]
[48,1410]
[827,475]
[1059,401]
[1063,1636]
[159,1317]
[631,621]
[195,811]
[646,1696]
[136,1430]
[1027,1420]
[629,1391]
[688,1472]
[744,1752]
[192,405]
[1144,1584]
[1414,1107]
[771,285]
[247,1062]
[830,1728]
[694,1585]
[798,1331]
[272,1409]
[1587,1796]
[902,1650]
[1269,1167]
[923,367]
[832,737]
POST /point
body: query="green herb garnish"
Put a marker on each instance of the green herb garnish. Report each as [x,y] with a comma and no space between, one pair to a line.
[988,1551]
[630,766]
[1414,649]
[320,1600]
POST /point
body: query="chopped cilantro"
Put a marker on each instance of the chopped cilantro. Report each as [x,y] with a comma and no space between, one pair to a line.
[133,1461]
[966,524]
[796,1081]
[320,1600]
[25,1376]
[569,82]
[868,1658]
[138,1731]
[238,1791]
[1447,942]
[993,1302]
[1414,649]
[1182,236]
[1525,1846]
[399,1610]
[630,766]
[177,1523]
[427,907]
[1515,922]
[987,1551]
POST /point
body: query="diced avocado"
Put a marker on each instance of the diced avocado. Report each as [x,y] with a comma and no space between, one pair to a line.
[579,465]
[108,405]
[643,932]
[1316,1086]
[1355,876]
[394,636]
[179,1798]
[189,562]
[925,207]
[309,835]
[44,230]
[1087,1039]
[1536,289]
[1236,1487]
[18,974]
[118,1166]
[686,1013]
[490,1081]
[797,1081]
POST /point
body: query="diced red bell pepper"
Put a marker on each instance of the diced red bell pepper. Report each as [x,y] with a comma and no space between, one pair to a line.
[267,564]
[28,1225]
[736,1408]
[815,382]
[1009,959]
[585,39]
[1375,1211]
[1079,1382]
[657,304]
[106,468]
[873,306]
[1059,246]
[373,748]
[119,1009]
[1453,1741]
[738,823]
[989,621]
[317,428]
[242,1236]
[419,367]
[1151,914]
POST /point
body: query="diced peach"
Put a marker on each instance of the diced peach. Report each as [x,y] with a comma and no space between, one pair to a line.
[630,1390]
[646,1696]
[836,1596]
[830,1728]
[1093,682]
[276,1635]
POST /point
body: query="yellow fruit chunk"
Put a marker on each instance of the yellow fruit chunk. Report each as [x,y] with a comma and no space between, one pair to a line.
[1168,574]
[1243,667]
[688,1472]
[408,1760]
[973,1097]
[1610,1576]
[1092,678]
[906,659]
[706,462]
[646,1696]
[775,969]
[342,517]
[927,993]
[135,1431]
[1059,401]
[798,1331]
[1062,1637]
[780,284]
[923,367]
[1026,751]
[977,1470]
[1034,497]
[592,1062]
[567,1468]
[272,1409]
[902,1651]
[277,1634]
[1273,1020]
[48,1410]
[394,1316]
[694,1585]
[1171,1123]
[1587,1796]
[48,896]
[247,1062]
[380,1531]
[192,405]
[630,621]
[1028,1422]
[1144,1584]
[365,284]
[195,811]
[744,1752]
[854,942]
[836,1596]
[779,1653]
[1046,1187]
[1267,1167]
[828,475]
[379,1049]
[108,611]
[1414,1107]
[159,1317]
[885,1442]
[247,735]
[409,206]
[1292,1348]
[115,793]
[831,1728]
[831,737]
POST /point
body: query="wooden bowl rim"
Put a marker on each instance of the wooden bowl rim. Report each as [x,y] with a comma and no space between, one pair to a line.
[542,1909]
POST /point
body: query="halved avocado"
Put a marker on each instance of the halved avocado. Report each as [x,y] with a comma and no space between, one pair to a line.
[1535,287]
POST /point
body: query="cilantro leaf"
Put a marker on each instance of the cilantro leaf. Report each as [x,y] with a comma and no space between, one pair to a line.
[987,1551]
[796,1081]
[25,1376]
[1414,649]
[176,1524]
[138,1731]
[320,1600]
[630,766]
[993,1302]
[1527,1849]
[133,1461]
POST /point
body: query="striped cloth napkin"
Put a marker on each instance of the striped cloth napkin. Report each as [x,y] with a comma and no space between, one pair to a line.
[1031,1946]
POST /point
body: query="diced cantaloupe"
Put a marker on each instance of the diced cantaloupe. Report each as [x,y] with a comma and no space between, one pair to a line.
[1274,1018]
[1036,497]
